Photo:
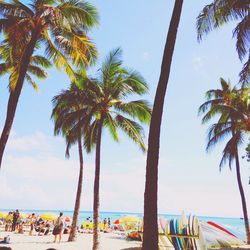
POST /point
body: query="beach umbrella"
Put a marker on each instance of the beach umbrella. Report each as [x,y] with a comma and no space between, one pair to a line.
[48,216]
[67,219]
[87,225]
[116,221]
[130,219]
[3,215]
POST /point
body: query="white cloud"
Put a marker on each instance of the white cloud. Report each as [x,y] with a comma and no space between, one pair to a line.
[29,142]
[146,56]
[197,63]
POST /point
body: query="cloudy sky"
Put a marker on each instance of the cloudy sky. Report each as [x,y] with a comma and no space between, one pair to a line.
[35,173]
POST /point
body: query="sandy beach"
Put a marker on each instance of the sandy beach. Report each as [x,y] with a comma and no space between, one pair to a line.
[110,241]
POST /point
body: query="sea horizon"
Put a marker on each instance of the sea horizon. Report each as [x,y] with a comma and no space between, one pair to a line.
[120,212]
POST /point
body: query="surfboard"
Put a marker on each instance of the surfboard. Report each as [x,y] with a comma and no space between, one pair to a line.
[189,232]
[194,232]
[220,227]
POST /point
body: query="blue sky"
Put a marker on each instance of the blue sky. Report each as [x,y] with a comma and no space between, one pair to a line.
[35,173]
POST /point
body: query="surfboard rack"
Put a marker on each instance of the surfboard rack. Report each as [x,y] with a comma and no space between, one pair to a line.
[184,236]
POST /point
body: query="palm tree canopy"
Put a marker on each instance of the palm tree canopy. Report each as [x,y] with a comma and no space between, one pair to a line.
[220,12]
[109,91]
[102,100]
[69,114]
[232,107]
[59,26]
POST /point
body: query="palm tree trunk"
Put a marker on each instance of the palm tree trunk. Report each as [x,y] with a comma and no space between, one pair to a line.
[243,199]
[150,225]
[96,206]
[72,235]
[14,94]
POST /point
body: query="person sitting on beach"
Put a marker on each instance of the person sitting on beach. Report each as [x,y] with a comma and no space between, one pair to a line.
[66,230]
[58,228]
[44,229]
[5,240]
[20,227]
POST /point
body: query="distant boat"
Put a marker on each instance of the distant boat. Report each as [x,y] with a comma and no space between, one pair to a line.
[241,218]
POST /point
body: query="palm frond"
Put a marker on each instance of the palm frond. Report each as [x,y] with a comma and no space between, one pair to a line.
[245,73]
[41,61]
[132,129]
[140,109]
[79,13]
[111,124]
[37,71]
[33,84]
[231,149]
[241,32]
[217,14]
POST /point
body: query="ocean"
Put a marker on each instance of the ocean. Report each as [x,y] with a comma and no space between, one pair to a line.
[234,225]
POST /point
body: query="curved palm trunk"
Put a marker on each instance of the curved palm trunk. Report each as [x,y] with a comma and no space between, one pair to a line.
[14,94]
[243,199]
[150,226]
[96,206]
[72,235]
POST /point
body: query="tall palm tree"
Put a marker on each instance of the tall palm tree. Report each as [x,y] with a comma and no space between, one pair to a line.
[233,108]
[59,26]
[150,228]
[67,114]
[109,109]
[220,12]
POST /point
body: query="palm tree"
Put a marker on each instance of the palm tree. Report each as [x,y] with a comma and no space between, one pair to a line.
[220,12]
[109,109]
[150,225]
[233,108]
[58,25]
[67,114]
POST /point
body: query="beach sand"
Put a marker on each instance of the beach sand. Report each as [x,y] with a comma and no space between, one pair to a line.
[109,241]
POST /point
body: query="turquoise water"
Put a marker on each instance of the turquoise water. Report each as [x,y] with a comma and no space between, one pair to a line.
[235,225]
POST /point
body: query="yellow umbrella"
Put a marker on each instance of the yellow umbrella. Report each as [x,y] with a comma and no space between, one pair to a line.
[129,219]
[48,216]
[3,215]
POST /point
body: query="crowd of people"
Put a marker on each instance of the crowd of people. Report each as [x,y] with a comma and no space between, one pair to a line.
[87,226]
[14,222]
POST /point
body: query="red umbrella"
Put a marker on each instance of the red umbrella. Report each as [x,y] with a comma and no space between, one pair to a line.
[67,219]
[116,221]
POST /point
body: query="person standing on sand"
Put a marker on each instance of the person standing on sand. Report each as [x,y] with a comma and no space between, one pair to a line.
[58,228]
[8,221]
[32,223]
[16,216]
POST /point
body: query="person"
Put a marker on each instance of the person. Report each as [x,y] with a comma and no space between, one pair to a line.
[32,221]
[16,216]
[104,221]
[20,228]
[5,240]
[8,221]
[58,227]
